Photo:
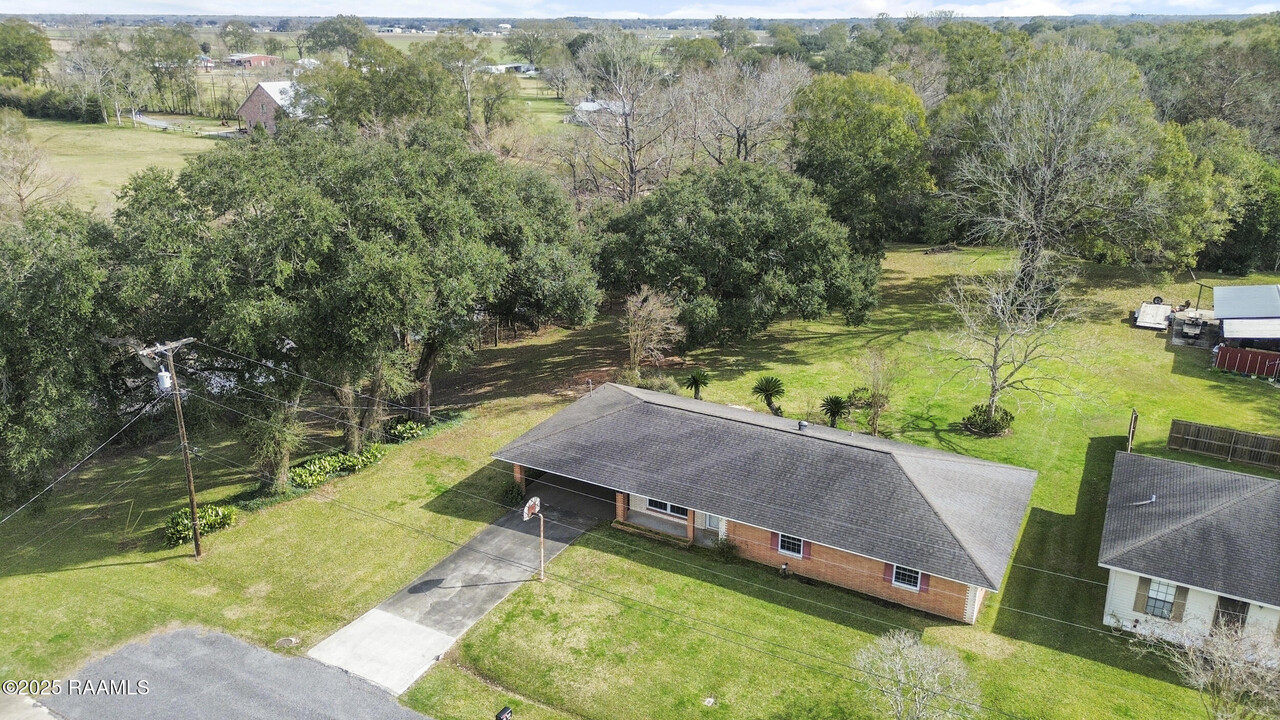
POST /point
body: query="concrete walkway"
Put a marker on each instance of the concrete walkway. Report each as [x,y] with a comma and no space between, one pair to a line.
[393,644]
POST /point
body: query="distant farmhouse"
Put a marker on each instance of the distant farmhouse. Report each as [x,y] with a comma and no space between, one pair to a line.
[1191,548]
[267,99]
[250,60]
[924,528]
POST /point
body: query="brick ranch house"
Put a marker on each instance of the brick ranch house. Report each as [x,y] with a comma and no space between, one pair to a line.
[1191,548]
[266,99]
[924,528]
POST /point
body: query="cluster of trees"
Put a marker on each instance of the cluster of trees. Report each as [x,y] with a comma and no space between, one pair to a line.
[365,262]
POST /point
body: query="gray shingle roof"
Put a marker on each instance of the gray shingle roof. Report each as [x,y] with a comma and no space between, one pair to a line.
[1213,529]
[945,514]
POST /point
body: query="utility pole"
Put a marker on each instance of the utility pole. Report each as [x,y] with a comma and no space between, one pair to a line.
[167,349]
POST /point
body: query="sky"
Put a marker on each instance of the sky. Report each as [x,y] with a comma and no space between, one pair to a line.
[646,8]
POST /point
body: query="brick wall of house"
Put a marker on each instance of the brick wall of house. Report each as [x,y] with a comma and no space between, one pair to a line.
[259,109]
[621,501]
[855,572]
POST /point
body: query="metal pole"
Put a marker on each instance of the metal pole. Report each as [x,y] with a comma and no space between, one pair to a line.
[186,453]
[542,549]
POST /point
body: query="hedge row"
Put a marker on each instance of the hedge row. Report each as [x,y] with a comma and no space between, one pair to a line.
[315,471]
[48,103]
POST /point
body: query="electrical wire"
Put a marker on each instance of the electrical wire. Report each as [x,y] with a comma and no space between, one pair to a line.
[83,460]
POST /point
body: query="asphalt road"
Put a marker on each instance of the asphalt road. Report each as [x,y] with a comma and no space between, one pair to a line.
[200,675]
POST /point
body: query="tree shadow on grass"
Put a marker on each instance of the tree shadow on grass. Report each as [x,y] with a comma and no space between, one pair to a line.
[478,497]
[1063,611]
[538,363]
[1194,362]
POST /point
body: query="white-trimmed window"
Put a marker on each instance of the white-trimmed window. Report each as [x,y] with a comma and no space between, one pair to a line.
[1160,599]
[790,545]
[906,578]
[668,508]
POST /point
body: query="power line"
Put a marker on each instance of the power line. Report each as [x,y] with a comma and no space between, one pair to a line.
[82,460]
[82,515]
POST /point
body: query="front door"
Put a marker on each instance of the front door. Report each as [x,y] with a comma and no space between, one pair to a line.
[1230,613]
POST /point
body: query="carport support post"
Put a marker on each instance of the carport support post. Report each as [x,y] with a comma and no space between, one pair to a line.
[542,549]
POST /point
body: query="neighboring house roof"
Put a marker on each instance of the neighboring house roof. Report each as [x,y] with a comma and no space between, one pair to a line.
[1213,529]
[948,515]
[1246,301]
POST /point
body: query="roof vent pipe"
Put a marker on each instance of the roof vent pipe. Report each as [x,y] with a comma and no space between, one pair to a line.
[1144,502]
[804,425]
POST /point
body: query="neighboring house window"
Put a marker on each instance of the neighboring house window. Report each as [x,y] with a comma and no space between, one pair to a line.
[665,507]
[712,522]
[1160,599]
[906,578]
[263,108]
[790,545]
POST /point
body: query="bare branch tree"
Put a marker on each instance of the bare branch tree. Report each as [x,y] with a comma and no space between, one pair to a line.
[922,68]
[883,374]
[910,680]
[26,181]
[735,109]
[1063,159]
[632,113]
[1236,671]
[1008,328]
[652,326]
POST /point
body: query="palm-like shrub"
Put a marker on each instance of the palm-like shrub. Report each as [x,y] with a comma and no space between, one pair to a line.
[769,388]
[835,407]
[697,380]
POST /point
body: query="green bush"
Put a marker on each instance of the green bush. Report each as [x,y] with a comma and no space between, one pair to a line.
[318,469]
[660,383]
[177,529]
[724,550]
[48,103]
[860,398]
[976,421]
[402,429]
[627,377]
[512,495]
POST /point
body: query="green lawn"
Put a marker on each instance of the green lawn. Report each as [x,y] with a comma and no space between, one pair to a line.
[92,572]
[102,157]
[574,651]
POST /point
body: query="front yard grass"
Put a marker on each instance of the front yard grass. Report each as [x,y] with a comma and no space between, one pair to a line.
[1039,649]
[99,575]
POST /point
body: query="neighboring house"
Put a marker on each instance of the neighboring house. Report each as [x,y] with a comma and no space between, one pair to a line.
[924,528]
[585,109]
[1248,313]
[267,98]
[1190,548]
[251,60]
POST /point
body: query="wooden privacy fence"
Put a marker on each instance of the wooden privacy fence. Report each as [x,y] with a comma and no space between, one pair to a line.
[1247,361]
[1231,445]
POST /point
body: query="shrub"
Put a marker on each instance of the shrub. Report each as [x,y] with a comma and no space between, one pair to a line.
[512,495]
[724,550]
[628,377]
[860,398]
[177,529]
[660,383]
[402,429]
[976,421]
[317,470]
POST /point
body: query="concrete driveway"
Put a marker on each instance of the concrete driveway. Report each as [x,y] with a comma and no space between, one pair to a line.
[393,644]
[200,675]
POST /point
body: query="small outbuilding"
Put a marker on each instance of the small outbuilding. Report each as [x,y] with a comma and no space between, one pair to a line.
[1190,548]
[267,99]
[924,528]
[1248,312]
